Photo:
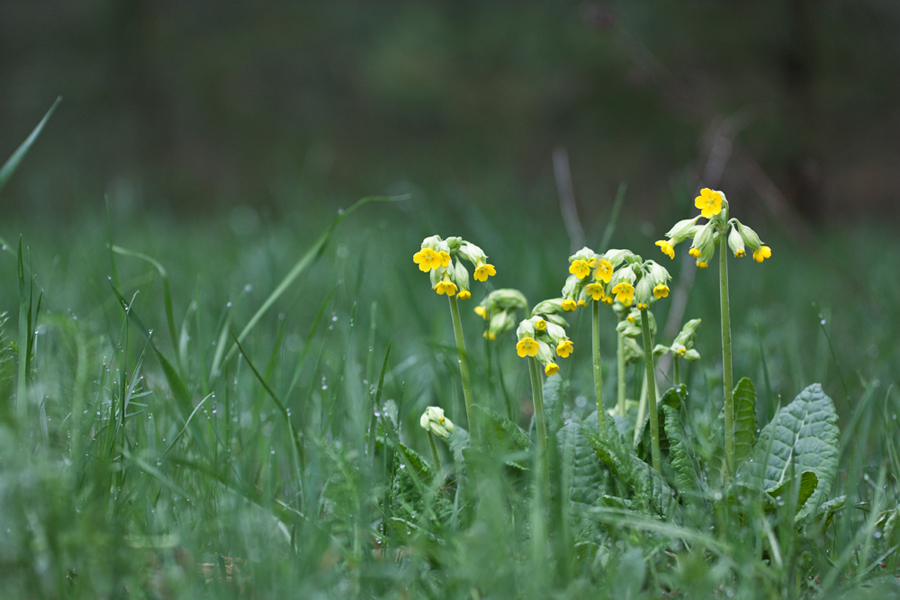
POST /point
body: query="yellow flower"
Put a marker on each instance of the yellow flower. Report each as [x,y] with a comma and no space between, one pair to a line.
[740,252]
[569,305]
[624,293]
[490,335]
[551,368]
[464,295]
[443,257]
[527,347]
[695,252]
[682,351]
[482,272]
[481,312]
[661,291]
[762,254]
[666,248]
[594,262]
[603,271]
[540,324]
[643,306]
[426,259]
[581,302]
[702,264]
[445,287]
[565,348]
[709,202]
[595,291]
[580,268]
[608,300]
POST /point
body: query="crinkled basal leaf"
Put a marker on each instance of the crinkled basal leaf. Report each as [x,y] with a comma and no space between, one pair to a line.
[807,485]
[553,391]
[673,397]
[684,463]
[587,479]
[745,425]
[804,433]
[506,430]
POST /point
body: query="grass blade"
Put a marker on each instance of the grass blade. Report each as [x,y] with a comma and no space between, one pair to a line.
[10,166]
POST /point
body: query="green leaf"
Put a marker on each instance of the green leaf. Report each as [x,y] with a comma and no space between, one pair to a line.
[587,480]
[802,436]
[745,425]
[505,429]
[553,391]
[808,483]
[684,463]
[10,166]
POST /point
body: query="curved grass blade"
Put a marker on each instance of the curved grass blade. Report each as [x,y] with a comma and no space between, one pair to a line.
[10,166]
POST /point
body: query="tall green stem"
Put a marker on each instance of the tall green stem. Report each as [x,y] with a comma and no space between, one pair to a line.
[676,374]
[726,347]
[463,366]
[434,452]
[620,351]
[541,422]
[651,391]
[598,373]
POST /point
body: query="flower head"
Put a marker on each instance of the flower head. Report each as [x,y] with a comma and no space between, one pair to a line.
[464,295]
[540,324]
[564,348]
[603,270]
[666,248]
[445,286]
[624,292]
[527,347]
[702,264]
[482,272]
[429,259]
[434,421]
[580,268]
[569,305]
[763,253]
[595,291]
[481,312]
[661,291]
[695,252]
[709,202]
[551,368]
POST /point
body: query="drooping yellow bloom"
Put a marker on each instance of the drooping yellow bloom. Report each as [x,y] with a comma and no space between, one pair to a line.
[564,348]
[484,271]
[661,291]
[428,259]
[666,248]
[464,295]
[445,287]
[444,257]
[490,335]
[595,291]
[603,271]
[540,324]
[580,268]
[569,305]
[709,202]
[481,312]
[762,254]
[643,306]
[624,293]
[701,264]
[608,300]
[740,252]
[581,302]
[527,347]
[695,252]
[551,368]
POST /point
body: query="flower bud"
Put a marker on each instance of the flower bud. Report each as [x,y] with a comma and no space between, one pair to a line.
[736,242]
[434,421]
[688,334]
[453,243]
[748,235]
[682,230]
[643,291]
[525,329]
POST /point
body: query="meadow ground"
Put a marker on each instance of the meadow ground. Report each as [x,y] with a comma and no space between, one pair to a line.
[144,453]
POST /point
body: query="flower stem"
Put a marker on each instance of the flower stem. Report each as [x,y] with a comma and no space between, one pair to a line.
[651,391]
[620,351]
[541,423]
[676,371]
[463,366]
[598,373]
[434,452]
[728,374]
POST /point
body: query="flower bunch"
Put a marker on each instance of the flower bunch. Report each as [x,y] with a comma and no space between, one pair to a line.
[642,280]
[590,276]
[683,346]
[543,332]
[714,207]
[448,274]
[434,421]
[499,310]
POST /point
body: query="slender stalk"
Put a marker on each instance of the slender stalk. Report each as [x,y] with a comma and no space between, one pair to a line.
[642,405]
[463,366]
[598,373]
[651,391]
[620,351]
[676,371]
[434,452]
[726,348]
[541,423]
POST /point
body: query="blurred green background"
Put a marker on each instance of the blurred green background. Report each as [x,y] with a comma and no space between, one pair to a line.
[190,109]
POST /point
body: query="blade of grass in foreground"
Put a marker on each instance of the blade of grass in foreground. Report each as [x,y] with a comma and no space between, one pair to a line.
[299,267]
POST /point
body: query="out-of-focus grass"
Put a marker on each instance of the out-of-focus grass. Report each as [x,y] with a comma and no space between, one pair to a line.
[108,489]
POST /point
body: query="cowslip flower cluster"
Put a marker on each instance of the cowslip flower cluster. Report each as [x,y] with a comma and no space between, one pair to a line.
[434,421]
[448,274]
[629,327]
[499,310]
[543,333]
[590,278]
[683,346]
[640,281]
[714,207]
